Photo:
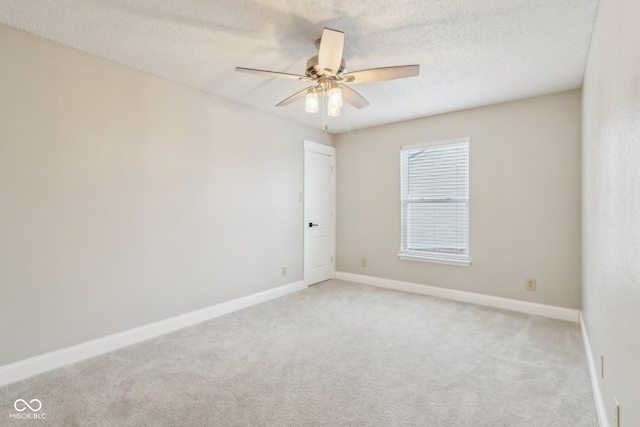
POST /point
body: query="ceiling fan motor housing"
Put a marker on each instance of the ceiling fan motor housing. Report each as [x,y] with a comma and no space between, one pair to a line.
[313,70]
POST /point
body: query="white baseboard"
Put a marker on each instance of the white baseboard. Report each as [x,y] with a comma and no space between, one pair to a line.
[56,359]
[551,311]
[593,373]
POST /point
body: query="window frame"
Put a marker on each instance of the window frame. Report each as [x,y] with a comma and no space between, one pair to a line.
[432,257]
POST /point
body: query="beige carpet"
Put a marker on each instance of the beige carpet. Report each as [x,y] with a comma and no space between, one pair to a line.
[336,354]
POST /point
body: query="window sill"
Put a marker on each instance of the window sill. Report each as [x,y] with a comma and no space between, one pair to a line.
[407,257]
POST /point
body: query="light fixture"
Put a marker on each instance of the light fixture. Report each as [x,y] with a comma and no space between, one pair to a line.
[311,101]
[333,111]
[335,97]
[332,99]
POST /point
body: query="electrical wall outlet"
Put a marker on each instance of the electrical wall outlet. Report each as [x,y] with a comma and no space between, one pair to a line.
[531,284]
[284,271]
[363,262]
[616,413]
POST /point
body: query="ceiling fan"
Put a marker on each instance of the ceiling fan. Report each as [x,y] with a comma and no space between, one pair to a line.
[327,70]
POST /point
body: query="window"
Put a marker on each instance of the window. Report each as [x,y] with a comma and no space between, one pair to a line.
[435,202]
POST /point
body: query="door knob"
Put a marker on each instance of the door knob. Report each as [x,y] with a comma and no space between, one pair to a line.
[312,225]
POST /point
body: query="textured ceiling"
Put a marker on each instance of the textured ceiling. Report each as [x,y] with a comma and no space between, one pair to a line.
[470,52]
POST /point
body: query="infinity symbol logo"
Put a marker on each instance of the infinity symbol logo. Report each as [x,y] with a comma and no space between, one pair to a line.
[26,405]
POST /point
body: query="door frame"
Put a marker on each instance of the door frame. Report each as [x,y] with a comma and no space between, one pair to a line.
[310,146]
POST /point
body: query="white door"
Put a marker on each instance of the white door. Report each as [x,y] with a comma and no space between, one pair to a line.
[319,208]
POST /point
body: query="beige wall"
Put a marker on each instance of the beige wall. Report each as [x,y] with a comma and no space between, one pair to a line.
[524,199]
[127,199]
[611,207]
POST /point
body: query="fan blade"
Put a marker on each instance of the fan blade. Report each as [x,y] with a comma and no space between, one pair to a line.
[293,98]
[352,97]
[330,51]
[272,73]
[380,74]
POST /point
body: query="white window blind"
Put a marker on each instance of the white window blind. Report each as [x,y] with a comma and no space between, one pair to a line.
[435,201]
